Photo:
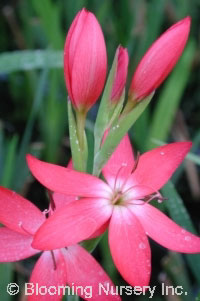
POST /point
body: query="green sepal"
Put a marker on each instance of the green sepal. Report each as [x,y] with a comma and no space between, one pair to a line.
[103,115]
[119,128]
[116,110]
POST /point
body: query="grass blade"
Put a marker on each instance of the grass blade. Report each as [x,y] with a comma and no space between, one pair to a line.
[30,59]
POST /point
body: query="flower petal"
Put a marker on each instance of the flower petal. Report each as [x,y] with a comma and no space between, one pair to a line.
[46,274]
[160,59]
[100,230]
[120,164]
[85,60]
[16,211]
[15,246]
[156,166]
[72,224]
[62,200]
[120,74]
[164,231]
[67,181]
[129,247]
[70,164]
[84,271]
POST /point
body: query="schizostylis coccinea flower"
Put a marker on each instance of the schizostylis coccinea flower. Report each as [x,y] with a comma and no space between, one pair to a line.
[72,266]
[121,73]
[123,202]
[85,61]
[159,60]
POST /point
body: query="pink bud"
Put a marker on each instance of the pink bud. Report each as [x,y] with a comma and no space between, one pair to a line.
[85,60]
[160,59]
[121,73]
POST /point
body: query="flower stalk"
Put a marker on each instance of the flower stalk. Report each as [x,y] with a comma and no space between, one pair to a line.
[82,140]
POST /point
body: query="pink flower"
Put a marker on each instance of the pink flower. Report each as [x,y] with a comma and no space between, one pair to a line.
[72,265]
[160,59]
[85,60]
[123,202]
[121,73]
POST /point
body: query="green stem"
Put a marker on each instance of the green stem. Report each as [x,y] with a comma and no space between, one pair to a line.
[82,140]
[80,119]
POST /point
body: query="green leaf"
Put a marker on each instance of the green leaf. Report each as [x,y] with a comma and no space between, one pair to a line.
[50,19]
[194,158]
[74,143]
[175,268]
[171,95]
[53,117]
[30,59]
[107,261]
[91,244]
[117,132]
[24,145]
[9,164]
[102,119]
[140,130]
[90,140]
[179,214]
[115,110]
[6,272]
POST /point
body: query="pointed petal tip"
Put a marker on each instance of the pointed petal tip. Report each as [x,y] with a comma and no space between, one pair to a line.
[132,256]
[174,237]
[185,146]
[187,20]
[185,23]
[29,159]
[162,161]
[83,12]
[32,163]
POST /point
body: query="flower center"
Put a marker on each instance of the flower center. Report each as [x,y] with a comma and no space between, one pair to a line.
[117,198]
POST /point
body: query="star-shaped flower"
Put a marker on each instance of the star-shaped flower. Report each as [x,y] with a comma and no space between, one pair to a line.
[122,202]
[73,265]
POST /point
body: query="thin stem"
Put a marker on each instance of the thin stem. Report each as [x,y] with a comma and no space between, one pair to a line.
[80,119]
[82,140]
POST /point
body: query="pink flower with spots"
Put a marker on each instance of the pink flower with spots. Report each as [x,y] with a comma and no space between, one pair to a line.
[71,265]
[122,203]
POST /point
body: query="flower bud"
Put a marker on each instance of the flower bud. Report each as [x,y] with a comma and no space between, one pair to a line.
[85,61]
[159,60]
[120,74]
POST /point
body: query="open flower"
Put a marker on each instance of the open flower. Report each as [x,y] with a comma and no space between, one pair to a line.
[123,202]
[85,61]
[72,265]
[159,60]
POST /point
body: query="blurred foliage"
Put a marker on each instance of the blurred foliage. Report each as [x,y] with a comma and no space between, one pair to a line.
[33,107]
